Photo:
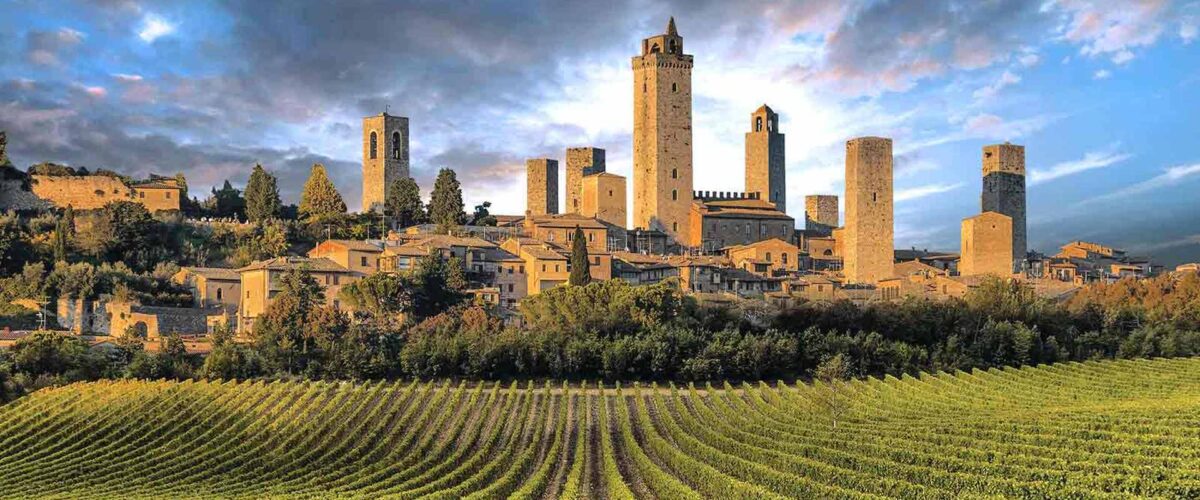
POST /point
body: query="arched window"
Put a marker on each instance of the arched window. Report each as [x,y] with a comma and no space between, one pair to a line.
[396,145]
[671,47]
[758,124]
[218,294]
[674,173]
[827,252]
[374,145]
[674,195]
[674,87]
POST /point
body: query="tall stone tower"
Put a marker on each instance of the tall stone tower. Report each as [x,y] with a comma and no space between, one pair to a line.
[1004,191]
[986,245]
[662,135]
[541,186]
[581,162]
[868,252]
[385,157]
[764,158]
[821,213]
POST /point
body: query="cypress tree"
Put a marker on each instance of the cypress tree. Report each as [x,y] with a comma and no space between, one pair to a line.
[321,198]
[446,203]
[404,204]
[262,196]
[581,273]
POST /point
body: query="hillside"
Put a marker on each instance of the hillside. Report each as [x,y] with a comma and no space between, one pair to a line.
[1078,429]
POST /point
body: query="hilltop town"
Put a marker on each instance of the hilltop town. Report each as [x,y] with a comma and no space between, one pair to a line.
[715,246]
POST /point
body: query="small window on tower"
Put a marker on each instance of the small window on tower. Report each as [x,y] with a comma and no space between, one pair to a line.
[675,226]
[610,192]
[374,145]
[874,197]
[674,173]
[395,145]
[758,124]
[674,195]
[674,87]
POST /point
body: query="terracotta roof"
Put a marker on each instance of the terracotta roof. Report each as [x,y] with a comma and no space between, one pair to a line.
[499,255]
[447,241]
[911,267]
[215,273]
[155,185]
[357,245]
[292,262]
[405,250]
[567,221]
[744,213]
[542,253]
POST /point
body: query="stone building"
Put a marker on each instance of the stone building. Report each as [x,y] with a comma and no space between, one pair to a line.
[721,219]
[159,194]
[385,157]
[1004,191]
[211,286]
[820,214]
[89,192]
[868,234]
[541,186]
[260,283]
[603,197]
[355,255]
[765,158]
[662,135]
[582,162]
[986,245]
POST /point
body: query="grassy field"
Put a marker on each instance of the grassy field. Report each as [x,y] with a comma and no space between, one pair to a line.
[1097,429]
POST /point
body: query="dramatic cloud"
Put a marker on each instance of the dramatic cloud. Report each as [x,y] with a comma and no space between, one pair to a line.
[1113,29]
[1090,161]
[1173,176]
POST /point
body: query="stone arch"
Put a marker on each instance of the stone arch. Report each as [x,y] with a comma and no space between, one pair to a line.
[654,49]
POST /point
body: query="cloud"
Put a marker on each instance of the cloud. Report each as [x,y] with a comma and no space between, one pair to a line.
[154,27]
[1029,60]
[46,48]
[127,78]
[1170,177]
[1102,74]
[1103,28]
[919,192]
[1187,30]
[1090,161]
[1006,79]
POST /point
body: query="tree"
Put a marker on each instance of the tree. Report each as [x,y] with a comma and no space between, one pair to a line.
[262,196]
[482,215]
[446,203]
[60,241]
[581,272]
[832,374]
[404,204]
[379,295]
[432,287]
[280,331]
[226,202]
[126,232]
[320,199]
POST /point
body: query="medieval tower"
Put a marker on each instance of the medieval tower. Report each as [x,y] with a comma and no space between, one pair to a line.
[1004,191]
[581,162]
[821,213]
[868,252]
[662,135]
[541,186]
[764,158]
[385,157]
[986,245]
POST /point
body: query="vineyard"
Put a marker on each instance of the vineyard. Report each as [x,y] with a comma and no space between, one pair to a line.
[1097,429]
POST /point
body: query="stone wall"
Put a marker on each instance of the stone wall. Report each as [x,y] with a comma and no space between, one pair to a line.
[662,136]
[541,186]
[986,245]
[603,197]
[83,192]
[869,245]
[1004,191]
[765,158]
[581,162]
[390,161]
[821,213]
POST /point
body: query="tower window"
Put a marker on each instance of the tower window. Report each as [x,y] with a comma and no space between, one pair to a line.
[758,124]
[672,47]
[674,195]
[654,48]
[643,87]
[610,192]
[674,173]
[674,87]
[675,226]
[395,145]
[374,145]
[874,197]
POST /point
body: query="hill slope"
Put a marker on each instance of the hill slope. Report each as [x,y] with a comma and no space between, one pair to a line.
[1081,429]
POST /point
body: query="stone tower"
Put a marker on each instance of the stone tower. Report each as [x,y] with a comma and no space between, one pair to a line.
[821,213]
[1004,191]
[604,198]
[662,135]
[541,189]
[385,157]
[986,245]
[868,252]
[581,162]
[764,158]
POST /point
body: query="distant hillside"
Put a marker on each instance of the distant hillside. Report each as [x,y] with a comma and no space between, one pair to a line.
[1068,430]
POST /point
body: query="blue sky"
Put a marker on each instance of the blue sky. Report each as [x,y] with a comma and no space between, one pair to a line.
[1104,95]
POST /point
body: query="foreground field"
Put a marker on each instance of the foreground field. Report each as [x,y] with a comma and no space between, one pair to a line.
[1118,429]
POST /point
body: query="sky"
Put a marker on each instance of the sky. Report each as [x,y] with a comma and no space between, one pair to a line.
[1105,96]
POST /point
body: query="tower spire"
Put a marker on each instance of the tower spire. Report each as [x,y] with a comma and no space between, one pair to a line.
[671,27]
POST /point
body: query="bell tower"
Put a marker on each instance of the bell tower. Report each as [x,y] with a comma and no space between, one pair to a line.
[662,135]
[385,157]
